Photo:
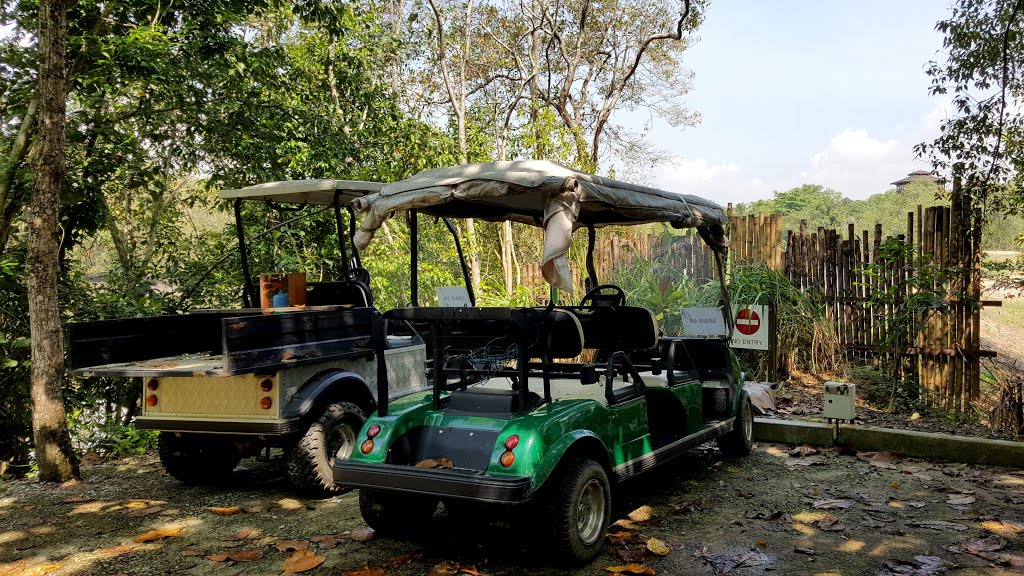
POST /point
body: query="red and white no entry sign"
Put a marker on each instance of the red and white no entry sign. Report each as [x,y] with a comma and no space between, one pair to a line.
[747,321]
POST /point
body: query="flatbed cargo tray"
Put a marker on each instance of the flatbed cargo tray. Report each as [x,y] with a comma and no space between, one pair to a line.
[218,343]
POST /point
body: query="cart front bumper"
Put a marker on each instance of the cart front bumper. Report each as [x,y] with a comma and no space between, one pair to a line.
[427,481]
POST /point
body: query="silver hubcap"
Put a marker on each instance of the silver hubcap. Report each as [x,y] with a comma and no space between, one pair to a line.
[341,442]
[748,422]
[590,512]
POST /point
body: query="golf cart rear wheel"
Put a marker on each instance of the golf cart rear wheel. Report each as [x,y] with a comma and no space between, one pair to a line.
[578,511]
[739,441]
[331,437]
[197,458]
[396,514]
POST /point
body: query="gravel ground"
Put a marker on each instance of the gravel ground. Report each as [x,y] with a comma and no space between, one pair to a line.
[820,513]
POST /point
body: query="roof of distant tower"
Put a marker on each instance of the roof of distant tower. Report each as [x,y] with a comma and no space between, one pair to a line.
[915,176]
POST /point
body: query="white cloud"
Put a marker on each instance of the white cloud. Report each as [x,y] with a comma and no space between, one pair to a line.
[722,183]
[859,164]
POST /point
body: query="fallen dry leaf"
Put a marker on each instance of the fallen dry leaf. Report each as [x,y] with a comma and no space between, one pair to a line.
[1003,527]
[302,560]
[427,463]
[226,511]
[803,451]
[883,459]
[621,537]
[657,547]
[243,535]
[146,511]
[290,504]
[832,504]
[684,508]
[920,566]
[631,569]
[444,568]
[138,504]
[471,570]
[158,534]
[76,500]
[960,500]
[402,560]
[831,524]
[642,514]
[364,534]
[250,555]
[939,525]
[286,545]
[218,557]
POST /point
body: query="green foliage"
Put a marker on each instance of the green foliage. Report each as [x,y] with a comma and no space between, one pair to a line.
[902,307]
[981,139]
[664,290]
[110,439]
[807,340]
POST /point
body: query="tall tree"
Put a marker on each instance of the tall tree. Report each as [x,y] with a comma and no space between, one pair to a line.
[54,454]
[982,140]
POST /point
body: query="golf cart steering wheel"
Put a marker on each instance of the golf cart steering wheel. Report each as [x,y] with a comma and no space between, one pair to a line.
[596,297]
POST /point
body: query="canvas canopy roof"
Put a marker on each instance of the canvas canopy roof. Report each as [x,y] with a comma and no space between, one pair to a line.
[305,191]
[544,194]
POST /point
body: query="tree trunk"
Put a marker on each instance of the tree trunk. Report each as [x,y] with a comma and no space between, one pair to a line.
[54,454]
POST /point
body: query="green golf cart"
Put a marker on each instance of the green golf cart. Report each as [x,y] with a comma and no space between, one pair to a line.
[544,406]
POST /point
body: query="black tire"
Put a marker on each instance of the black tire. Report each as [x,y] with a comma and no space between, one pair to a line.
[578,508]
[334,435]
[393,514]
[739,441]
[198,458]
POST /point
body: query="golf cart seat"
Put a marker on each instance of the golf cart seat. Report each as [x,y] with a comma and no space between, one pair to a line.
[495,396]
[612,328]
[351,293]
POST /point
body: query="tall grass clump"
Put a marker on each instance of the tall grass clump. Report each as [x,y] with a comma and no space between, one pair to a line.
[807,339]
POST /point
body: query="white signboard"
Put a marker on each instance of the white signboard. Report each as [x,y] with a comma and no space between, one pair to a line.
[751,323]
[453,297]
[703,322]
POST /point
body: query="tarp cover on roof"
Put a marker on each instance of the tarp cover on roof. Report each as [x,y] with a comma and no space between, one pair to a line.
[540,193]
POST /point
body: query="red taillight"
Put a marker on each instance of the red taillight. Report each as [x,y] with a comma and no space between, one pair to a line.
[266,385]
[507,458]
[366,447]
[266,403]
[511,442]
[151,400]
[152,384]
[372,431]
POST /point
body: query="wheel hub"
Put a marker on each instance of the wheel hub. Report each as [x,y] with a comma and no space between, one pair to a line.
[590,512]
[340,443]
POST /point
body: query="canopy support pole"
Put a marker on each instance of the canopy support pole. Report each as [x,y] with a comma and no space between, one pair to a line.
[249,298]
[352,234]
[414,258]
[462,261]
[591,271]
[340,223]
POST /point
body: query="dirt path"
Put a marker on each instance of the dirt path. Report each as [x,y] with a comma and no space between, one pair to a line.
[823,514]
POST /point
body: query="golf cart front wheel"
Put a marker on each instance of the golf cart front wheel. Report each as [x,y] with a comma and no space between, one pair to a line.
[579,510]
[395,514]
[331,437]
[740,440]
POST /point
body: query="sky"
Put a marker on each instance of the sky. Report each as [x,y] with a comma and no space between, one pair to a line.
[830,92]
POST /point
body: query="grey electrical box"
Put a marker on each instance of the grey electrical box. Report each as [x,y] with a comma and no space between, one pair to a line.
[839,400]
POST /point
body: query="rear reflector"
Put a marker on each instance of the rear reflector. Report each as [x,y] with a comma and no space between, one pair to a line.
[266,403]
[507,458]
[366,447]
[150,400]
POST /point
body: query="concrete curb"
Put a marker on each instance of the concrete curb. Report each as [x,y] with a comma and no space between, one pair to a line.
[907,442]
